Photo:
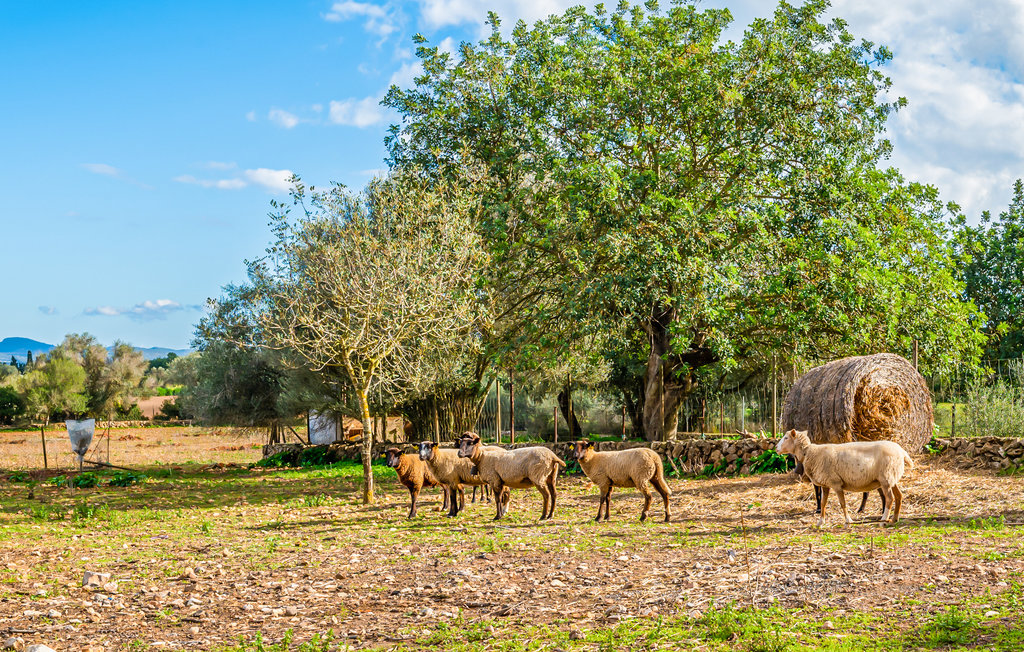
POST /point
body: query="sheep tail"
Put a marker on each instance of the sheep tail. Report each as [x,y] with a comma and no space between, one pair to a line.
[908,460]
[560,463]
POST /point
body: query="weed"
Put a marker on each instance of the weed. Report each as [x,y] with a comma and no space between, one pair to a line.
[955,626]
[316,500]
[84,511]
[126,478]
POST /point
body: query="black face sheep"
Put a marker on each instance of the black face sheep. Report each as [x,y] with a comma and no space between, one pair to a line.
[854,466]
[799,472]
[414,474]
[533,466]
[634,467]
[451,471]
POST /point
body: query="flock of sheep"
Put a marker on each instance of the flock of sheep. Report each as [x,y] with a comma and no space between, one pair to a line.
[856,466]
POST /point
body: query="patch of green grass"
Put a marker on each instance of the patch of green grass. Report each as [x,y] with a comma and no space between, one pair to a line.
[955,626]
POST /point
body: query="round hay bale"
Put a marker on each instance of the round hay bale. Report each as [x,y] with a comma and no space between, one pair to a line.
[862,398]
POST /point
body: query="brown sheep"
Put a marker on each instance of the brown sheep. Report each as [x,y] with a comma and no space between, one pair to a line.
[414,474]
[450,471]
[634,467]
[520,468]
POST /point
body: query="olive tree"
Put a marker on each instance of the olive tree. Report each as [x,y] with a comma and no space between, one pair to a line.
[375,286]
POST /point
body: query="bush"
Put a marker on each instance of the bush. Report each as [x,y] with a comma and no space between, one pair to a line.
[169,411]
[995,410]
[11,406]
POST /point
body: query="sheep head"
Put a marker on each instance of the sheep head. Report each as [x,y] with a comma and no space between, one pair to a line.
[392,456]
[793,442]
[580,448]
[468,444]
[427,450]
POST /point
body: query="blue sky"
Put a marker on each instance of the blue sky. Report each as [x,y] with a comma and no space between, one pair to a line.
[142,142]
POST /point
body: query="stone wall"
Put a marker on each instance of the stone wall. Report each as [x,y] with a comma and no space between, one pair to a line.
[693,455]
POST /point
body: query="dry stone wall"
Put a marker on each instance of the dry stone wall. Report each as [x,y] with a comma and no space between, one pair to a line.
[693,455]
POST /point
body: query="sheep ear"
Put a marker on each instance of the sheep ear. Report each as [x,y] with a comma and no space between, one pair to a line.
[590,444]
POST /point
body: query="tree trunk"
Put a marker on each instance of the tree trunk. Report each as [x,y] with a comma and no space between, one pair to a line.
[364,408]
[564,403]
[456,412]
[669,377]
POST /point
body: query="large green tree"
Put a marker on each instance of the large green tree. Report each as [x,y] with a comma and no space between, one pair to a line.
[991,257]
[724,199]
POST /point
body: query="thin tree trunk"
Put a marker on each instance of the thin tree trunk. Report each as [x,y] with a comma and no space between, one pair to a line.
[364,409]
[565,404]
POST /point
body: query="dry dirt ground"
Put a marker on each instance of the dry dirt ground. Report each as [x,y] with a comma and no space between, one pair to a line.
[237,558]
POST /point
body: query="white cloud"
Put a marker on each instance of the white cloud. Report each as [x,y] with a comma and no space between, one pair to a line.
[381,20]
[276,181]
[406,74]
[48,310]
[273,180]
[251,116]
[222,184]
[102,168]
[144,311]
[440,13]
[283,118]
[357,113]
[317,108]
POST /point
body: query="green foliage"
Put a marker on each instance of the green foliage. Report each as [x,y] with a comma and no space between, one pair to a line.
[991,263]
[995,410]
[771,461]
[84,480]
[12,405]
[319,643]
[169,411]
[54,387]
[954,626]
[724,200]
[126,478]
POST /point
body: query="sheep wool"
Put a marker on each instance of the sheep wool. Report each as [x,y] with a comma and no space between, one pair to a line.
[855,466]
[521,468]
[634,467]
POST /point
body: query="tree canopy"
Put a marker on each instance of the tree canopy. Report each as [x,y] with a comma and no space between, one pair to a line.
[727,200]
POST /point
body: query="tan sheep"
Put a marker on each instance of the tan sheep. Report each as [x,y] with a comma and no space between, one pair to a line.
[521,468]
[799,472]
[414,474]
[858,466]
[633,467]
[451,471]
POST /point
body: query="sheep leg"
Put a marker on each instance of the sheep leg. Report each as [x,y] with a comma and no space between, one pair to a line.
[662,487]
[413,494]
[551,488]
[863,502]
[882,496]
[453,502]
[642,486]
[888,504]
[496,491]
[842,503]
[824,503]
[605,495]
[506,500]
[462,498]
[817,499]
[545,495]
[897,503]
[445,494]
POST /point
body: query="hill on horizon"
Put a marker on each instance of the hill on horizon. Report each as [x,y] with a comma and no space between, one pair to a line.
[18,347]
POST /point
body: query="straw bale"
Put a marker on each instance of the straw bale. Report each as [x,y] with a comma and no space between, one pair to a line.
[862,398]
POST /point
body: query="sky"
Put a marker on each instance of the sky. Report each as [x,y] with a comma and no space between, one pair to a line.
[141,143]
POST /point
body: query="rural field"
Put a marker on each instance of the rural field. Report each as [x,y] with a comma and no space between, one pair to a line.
[233,557]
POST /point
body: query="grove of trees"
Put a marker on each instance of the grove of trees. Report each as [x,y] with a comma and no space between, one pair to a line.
[628,199]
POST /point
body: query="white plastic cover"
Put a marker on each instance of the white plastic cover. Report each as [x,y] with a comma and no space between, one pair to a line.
[80,433]
[323,428]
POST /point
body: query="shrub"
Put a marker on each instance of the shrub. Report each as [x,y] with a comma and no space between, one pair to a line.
[995,410]
[11,405]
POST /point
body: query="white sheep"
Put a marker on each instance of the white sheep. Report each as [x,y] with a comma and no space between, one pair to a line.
[451,471]
[520,468]
[633,467]
[858,466]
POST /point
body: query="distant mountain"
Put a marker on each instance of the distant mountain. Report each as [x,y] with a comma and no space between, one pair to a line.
[20,346]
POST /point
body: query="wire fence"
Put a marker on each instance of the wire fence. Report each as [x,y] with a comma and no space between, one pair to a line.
[972,402]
